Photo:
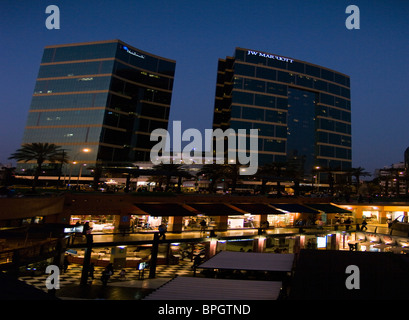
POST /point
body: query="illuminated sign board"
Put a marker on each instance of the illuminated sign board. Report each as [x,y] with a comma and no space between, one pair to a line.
[321,242]
[270,56]
[133,52]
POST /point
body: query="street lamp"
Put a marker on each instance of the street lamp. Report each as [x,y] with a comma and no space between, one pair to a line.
[86,150]
[318,177]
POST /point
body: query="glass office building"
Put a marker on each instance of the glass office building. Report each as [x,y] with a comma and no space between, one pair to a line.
[101,97]
[302,111]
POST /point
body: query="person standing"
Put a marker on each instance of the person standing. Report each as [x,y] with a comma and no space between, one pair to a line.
[162,231]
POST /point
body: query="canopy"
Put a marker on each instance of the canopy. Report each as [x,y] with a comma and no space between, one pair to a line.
[327,208]
[214,209]
[282,262]
[194,288]
[293,207]
[257,208]
[163,209]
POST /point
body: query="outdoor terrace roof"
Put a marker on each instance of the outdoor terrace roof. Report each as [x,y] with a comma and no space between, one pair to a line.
[194,288]
[327,208]
[257,208]
[255,261]
[164,209]
[294,207]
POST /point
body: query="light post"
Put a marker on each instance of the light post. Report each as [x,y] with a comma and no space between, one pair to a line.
[318,178]
[75,162]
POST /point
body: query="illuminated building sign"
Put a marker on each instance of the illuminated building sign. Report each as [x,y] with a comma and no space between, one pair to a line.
[270,56]
[133,52]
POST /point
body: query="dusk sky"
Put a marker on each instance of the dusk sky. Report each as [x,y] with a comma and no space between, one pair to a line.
[197,33]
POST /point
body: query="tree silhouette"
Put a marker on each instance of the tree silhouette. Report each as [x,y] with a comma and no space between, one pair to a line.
[39,152]
[357,173]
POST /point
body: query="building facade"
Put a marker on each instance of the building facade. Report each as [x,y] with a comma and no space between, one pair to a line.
[100,101]
[302,111]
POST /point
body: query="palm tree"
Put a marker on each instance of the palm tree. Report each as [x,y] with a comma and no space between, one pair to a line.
[40,152]
[272,172]
[214,173]
[171,170]
[357,173]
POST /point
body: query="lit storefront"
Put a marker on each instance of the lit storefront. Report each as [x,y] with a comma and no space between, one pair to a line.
[98,223]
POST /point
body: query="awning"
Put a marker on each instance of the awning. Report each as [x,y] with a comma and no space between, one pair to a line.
[293,207]
[195,288]
[257,208]
[327,208]
[214,209]
[163,209]
[282,262]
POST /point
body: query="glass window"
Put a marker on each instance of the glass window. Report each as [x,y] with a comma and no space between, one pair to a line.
[265,101]
[282,103]
[266,73]
[265,129]
[304,81]
[236,125]
[253,113]
[72,85]
[296,67]
[312,71]
[339,78]
[274,145]
[276,88]
[235,111]
[80,52]
[254,85]
[327,75]
[243,97]
[244,69]
[327,99]
[327,151]
[239,55]
[166,67]
[69,101]
[320,85]
[276,116]
[238,83]
[286,77]
[334,89]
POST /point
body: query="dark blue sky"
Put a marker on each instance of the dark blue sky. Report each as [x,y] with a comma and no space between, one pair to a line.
[197,33]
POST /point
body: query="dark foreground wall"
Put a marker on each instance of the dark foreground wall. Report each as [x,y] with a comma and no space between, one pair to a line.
[322,275]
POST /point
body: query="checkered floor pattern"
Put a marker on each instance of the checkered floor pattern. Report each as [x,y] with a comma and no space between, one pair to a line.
[73,275]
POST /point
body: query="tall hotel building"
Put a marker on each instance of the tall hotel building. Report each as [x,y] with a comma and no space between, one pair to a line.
[302,111]
[102,97]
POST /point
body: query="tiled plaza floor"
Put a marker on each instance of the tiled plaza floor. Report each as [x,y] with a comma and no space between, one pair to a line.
[130,287]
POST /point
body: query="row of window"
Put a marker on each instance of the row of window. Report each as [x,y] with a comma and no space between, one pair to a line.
[62,135]
[78,100]
[296,66]
[72,85]
[336,114]
[261,100]
[258,114]
[143,77]
[264,129]
[333,138]
[334,152]
[75,117]
[108,50]
[76,69]
[137,92]
[289,78]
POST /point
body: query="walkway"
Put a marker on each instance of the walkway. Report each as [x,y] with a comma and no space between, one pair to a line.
[129,288]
